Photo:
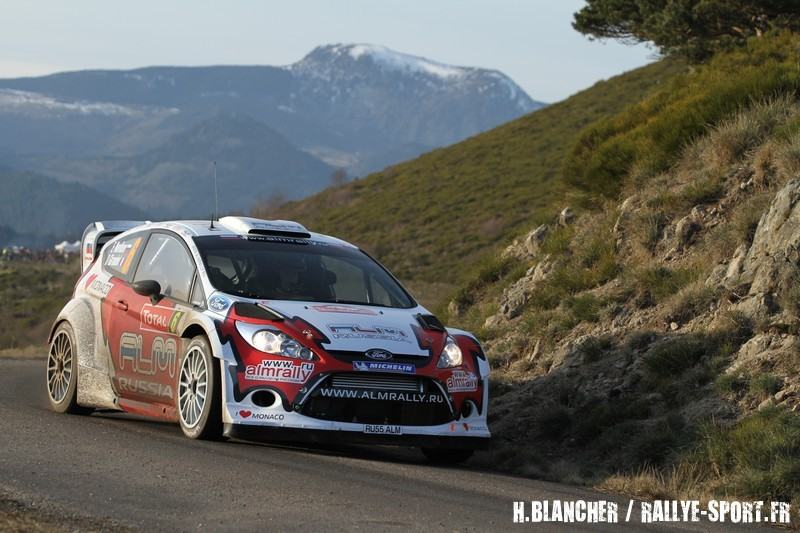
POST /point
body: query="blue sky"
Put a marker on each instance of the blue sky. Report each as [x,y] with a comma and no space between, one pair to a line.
[530,40]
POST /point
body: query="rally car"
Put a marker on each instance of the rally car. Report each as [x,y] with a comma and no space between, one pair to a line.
[250,328]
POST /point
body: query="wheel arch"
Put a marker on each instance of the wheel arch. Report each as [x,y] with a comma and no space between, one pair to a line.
[201,324]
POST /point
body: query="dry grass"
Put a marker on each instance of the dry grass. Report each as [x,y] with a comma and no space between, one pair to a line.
[731,140]
[787,157]
[684,481]
[30,352]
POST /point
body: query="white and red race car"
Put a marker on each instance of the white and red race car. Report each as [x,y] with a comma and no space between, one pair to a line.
[261,329]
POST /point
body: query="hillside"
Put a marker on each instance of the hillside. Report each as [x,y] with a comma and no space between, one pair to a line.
[174,180]
[433,218]
[39,210]
[647,341]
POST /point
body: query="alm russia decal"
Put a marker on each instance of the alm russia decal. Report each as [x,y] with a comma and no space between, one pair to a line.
[279,370]
[355,331]
[160,319]
[460,381]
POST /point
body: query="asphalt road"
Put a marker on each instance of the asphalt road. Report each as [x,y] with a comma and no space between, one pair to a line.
[146,475]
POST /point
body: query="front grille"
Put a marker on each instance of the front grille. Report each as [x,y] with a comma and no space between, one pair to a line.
[374,382]
[376,399]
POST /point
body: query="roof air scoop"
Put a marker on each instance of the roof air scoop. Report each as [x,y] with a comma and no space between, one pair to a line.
[255,226]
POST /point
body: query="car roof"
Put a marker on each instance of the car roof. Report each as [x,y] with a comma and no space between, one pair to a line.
[241,226]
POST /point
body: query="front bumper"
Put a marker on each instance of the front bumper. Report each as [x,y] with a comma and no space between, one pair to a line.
[246,421]
[320,436]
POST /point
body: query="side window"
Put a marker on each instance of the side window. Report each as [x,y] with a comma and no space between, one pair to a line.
[166,261]
[198,296]
[120,257]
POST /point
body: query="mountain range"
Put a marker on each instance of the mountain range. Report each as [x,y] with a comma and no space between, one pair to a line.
[147,137]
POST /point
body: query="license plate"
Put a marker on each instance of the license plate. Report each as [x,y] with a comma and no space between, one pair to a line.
[383,430]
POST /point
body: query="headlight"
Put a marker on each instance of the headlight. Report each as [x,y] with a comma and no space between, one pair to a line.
[273,341]
[451,355]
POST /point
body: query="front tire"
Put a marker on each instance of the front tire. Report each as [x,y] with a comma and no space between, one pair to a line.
[62,372]
[447,456]
[199,399]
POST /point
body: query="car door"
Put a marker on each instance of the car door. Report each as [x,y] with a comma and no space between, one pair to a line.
[113,283]
[149,329]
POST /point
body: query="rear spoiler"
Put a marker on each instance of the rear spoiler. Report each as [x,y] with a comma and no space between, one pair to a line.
[97,234]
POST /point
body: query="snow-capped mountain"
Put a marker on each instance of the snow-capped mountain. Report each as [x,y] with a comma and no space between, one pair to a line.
[358,106]
[383,97]
[340,63]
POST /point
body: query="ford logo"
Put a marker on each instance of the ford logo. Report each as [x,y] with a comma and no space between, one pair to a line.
[378,355]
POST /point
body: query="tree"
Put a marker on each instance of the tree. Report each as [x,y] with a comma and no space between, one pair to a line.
[691,28]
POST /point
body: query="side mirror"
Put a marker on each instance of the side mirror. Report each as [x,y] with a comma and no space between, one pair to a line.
[148,287]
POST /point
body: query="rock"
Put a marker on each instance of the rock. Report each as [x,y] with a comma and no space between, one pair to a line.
[766,403]
[493,321]
[631,380]
[673,326]
[770,265]
[735,267]
[537,349]
[781,395]
[653,397]
[517,294]
[453,308]
[685,231]
[717,276]
[534,239]
[566,217]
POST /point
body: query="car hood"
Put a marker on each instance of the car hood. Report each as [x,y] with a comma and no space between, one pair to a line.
[358,328]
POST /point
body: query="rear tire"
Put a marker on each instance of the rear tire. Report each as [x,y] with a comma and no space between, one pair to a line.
[62,372]
[447,456]
[199,392]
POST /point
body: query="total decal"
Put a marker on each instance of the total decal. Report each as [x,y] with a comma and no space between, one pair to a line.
[246,414]
[460,381]
[359,394]
[278,370]
[382,366]
[160,319]
[355,331]
[163,355]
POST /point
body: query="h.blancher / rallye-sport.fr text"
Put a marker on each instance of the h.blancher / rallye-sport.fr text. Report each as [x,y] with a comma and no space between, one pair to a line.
[259,328]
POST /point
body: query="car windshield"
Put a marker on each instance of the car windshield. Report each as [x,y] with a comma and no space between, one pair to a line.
[279,268]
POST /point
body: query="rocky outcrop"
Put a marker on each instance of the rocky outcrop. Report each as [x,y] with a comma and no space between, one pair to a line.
[517,295]
[776,243]
[528,247]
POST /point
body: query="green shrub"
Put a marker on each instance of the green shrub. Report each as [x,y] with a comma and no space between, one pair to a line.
[660,282]
[653,224]
[730,383]
[583,308]
[651,134]
[553,422]
[765,385]
[594,348]
[671,357]
[759,457]
[558,240]
[703,191]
